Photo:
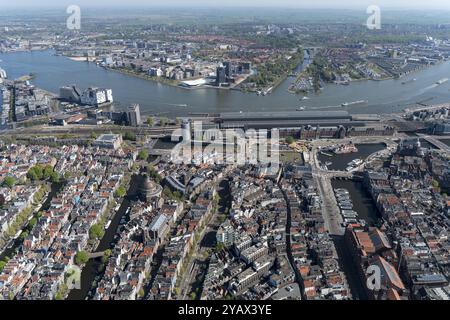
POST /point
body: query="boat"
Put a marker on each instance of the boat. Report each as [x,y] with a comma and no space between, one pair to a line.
[442,81]
[300,108]
[326,154]
[107,224]
[409,81]
[350,215]
[347,148]
[346,104]
[305,98]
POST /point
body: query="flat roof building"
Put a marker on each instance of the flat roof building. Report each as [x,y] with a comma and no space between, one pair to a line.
[110,141]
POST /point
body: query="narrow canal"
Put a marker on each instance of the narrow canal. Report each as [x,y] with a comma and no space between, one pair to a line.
[367,210]
[15,244]
[94,268]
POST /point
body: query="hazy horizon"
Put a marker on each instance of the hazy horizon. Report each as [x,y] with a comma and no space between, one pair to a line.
[316,4]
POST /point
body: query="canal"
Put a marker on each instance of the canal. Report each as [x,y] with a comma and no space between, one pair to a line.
[367,210]
[94,268]
[12,249]
[340,161]
[363,203]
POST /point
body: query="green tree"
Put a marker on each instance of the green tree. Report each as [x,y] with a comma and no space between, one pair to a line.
[153,173]
[289,140]
[9,182]
[106,255]
[129,136]
[81,257]
[150,121]
[2,265]
[35,173]
[163,121]
[54,177]
[143,155]
[47,172]
[121,192]
[23,235]
[96,231]
[435,184]
[32,223]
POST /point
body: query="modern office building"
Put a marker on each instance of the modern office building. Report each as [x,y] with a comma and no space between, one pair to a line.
[220,76]
[96,96]
[134,115]
[70,94]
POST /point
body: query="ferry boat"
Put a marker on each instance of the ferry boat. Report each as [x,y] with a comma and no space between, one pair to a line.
[442,81]
[349,212]
[409,81]
[346,104]
[326,154]
[341,190]
[355,163]
[350,220]
[350,215]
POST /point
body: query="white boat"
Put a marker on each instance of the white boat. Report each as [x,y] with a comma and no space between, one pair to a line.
[107,224]
[442,81]
[346,104]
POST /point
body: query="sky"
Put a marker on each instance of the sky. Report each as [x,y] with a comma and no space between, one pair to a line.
[407,4]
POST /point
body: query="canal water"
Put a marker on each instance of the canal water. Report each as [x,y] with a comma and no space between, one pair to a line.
[340,161]
[362,201]
[52,72]
[94,267]
[367,210]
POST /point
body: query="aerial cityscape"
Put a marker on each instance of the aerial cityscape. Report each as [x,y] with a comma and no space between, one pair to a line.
[224,151]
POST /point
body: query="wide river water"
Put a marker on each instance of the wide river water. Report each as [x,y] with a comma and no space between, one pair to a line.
[52,72]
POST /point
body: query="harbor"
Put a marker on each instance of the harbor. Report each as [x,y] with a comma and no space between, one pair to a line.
[348,157]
